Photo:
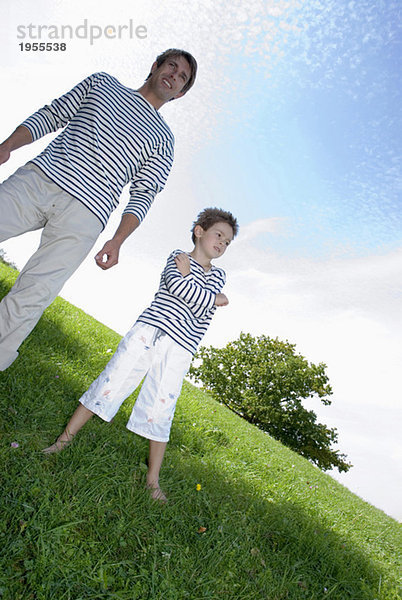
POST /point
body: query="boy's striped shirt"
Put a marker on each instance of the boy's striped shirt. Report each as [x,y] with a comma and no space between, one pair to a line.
[112,136]
[183,306]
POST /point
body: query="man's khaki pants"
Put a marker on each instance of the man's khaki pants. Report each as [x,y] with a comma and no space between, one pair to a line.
[29,200]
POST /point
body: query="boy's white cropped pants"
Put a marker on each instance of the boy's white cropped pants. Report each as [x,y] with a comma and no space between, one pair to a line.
[144,351]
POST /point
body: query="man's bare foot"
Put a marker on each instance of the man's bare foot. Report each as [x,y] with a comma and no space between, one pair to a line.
[58,446]
[156,493]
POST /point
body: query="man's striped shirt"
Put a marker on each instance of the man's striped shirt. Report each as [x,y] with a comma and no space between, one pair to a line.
[112,136]
[183,306]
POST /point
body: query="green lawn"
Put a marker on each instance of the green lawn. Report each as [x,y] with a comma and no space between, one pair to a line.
[79,525]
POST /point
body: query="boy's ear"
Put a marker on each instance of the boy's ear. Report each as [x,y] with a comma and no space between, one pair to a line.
[198,231]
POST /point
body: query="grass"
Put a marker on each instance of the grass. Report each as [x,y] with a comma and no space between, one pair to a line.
[79,525]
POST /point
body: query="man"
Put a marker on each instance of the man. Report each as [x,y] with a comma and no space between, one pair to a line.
[112,136]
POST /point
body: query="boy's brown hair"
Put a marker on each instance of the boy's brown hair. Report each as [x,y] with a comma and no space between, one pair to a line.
[210,216]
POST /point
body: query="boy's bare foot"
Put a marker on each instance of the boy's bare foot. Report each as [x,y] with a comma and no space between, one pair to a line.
[156,493]
[58,446]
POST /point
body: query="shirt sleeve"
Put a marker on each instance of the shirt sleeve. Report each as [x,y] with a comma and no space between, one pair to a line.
[200,299]
[60,111]
[150,180]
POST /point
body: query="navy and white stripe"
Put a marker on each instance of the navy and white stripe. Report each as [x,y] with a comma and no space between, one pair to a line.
[112,136]
[183,306]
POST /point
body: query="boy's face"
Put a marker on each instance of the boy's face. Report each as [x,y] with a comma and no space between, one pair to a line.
[214,241]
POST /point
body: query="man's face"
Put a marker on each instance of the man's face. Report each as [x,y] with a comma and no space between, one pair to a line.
[169,79]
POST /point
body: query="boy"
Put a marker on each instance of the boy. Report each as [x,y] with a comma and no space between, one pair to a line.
[161,344]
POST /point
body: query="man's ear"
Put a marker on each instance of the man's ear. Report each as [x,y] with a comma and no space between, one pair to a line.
[179,95]
[154,67]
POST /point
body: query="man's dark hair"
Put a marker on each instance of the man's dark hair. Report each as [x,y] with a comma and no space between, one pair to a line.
[210,216]
[171,53]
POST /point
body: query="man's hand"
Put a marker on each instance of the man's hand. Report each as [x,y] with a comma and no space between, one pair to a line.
[111,251]
[183,264]
[221,300]
[4,154]
[20,137]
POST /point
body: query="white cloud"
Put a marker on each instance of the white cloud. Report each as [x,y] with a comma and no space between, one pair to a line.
[255,228]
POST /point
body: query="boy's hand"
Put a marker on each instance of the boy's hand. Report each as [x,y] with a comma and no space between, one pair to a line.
[183,264]
[221,300]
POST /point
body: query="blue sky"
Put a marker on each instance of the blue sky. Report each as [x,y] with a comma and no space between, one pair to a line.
[294,125]
[318,141]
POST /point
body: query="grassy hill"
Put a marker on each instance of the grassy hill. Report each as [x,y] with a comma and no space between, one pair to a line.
[79,525]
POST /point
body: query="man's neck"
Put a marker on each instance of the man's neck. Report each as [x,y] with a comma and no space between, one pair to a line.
[150,96]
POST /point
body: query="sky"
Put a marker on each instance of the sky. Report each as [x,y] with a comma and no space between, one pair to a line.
[294,125]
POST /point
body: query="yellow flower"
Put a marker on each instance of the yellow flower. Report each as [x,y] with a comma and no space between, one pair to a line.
[198,487]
